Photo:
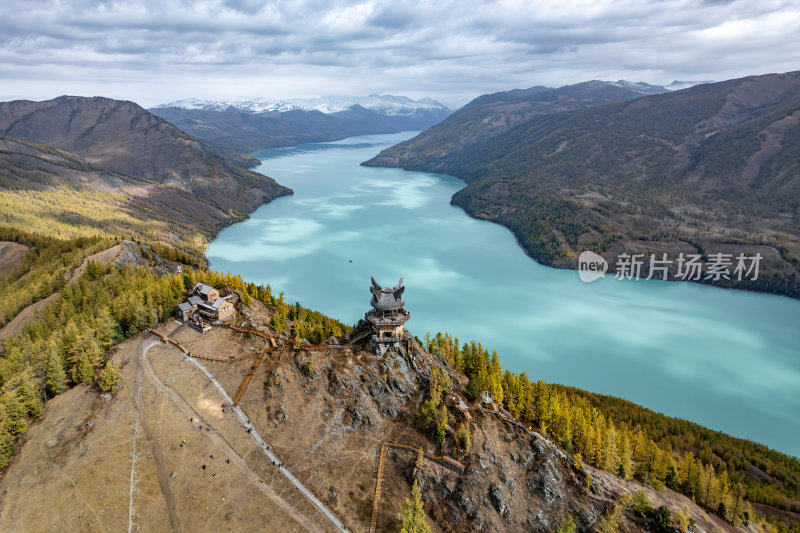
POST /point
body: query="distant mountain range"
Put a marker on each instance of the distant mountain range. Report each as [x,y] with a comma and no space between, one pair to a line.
[265,123]
[386,104]
[599,166]
[492,114]
[678,85]
[257,123]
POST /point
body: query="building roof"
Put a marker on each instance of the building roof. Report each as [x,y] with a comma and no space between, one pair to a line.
[185,306]
[387,298]
[195,300]
[215,305]
[203,289]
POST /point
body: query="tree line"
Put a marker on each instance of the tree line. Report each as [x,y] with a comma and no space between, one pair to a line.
[69,343]
[709,467]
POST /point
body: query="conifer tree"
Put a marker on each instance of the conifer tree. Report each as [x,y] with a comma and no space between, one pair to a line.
[641,504]
[577,461]
[83,369]
[435,386]
[472,391]
[29,395]
[107,330]
[419,462]
[70,339]
[441,425]
[567,525]
[15,413]
[738,494]
[6,439]
[610,521]
[412,513]
[464,436]
[625,465]
[55,377]
[110,377]
[707,481]
[428,412]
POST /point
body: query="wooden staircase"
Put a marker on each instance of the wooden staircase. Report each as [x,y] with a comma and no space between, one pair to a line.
[377,500]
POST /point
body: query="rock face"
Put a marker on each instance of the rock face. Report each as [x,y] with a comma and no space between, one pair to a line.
[515,480]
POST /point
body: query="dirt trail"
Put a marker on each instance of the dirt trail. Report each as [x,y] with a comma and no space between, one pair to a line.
[265,448]
[10,254]
[158,455]
[133,474]
[217,438]
[14,327]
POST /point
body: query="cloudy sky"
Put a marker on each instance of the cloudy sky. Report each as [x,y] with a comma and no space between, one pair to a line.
[155,51]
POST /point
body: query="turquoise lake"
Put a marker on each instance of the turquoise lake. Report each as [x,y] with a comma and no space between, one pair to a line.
[729,360]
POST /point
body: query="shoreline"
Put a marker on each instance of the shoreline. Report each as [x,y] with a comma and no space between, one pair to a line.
[380,164]
[510,357]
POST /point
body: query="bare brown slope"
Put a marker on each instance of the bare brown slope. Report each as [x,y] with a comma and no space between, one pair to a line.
[97,463]
[10,254]
[124,137]
[327,425]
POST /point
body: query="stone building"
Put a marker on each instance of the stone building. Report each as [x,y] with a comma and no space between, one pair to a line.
[216,311]
[205,304]
[207,293]
[387,316]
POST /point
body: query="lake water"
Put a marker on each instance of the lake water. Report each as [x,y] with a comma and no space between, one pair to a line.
[729,360]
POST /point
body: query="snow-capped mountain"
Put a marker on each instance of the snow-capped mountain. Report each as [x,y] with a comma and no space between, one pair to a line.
[256,105]
[257,123]
[678,85]
[639,87]
[646,88]
[386,104]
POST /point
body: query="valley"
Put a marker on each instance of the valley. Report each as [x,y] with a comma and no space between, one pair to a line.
[469,277]
[326,408]
[262,123]
[399,267]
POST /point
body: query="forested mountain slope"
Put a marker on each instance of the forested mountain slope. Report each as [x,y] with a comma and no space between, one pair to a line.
[710,169]
[125,138]
[493,114]
[79,167]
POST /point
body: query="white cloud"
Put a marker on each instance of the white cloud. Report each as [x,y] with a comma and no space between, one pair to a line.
[157,51]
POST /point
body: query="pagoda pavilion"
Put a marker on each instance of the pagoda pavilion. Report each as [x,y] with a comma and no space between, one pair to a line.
[387,316]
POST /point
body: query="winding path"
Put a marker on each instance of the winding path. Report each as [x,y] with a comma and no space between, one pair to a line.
[188,411]
[263,445]
[158,455]
[265,448]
